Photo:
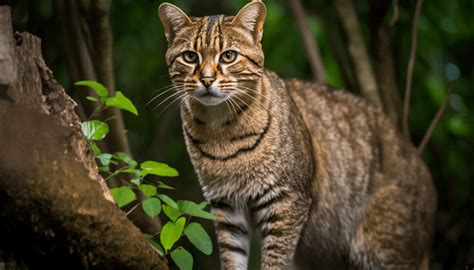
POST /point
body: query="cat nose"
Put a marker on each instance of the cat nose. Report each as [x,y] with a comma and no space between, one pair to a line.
[207,81]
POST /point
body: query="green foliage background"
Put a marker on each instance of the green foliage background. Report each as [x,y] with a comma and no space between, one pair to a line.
[445,42]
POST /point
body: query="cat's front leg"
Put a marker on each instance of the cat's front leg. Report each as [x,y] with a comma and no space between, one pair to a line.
[233,234]
[280,217]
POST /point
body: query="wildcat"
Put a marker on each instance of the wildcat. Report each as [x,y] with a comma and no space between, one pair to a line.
[321,175]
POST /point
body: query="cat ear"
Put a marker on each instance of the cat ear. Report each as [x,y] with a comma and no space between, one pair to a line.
[252,17]
[172,19]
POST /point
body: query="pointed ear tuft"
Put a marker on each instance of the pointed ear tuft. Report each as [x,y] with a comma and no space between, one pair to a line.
[172,19]
[252,17]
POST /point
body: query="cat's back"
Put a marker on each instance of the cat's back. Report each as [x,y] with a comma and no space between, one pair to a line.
[361,159]
[344,127]
[347,127]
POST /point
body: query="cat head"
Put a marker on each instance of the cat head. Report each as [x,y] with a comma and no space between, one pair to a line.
[214,58]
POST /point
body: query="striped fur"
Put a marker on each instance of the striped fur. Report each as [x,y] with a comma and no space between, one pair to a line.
[321,175]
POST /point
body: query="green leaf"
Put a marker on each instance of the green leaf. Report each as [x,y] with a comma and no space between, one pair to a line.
[95,149]
[165,186]
[128,170]
[168,200]
[171,232]
[148,190]
[193,209]
[154,244]
[136,181]
[91,98]
[99,88]
[122,102]
[202,204]
[171,212]
[188,207]
[105,169]
[95,130]
[157,168]
[151,206]
[204,214]
[182,258]
[199,237]
[123,195]
[104,158]
[125,158]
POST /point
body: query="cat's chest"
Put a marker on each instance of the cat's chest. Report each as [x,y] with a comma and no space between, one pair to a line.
[240,188]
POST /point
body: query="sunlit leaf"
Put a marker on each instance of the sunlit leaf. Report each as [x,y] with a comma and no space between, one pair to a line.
[124,157]
[193,209]
[91,98]
[136,181]
[157,168]
[165,186]
[168,200]
[99,88]
[151,206]
[171,232]
[95,130]
[154,244]
[202,204]
[148,190]
[95,149]
[123,195]
[182,258]
[171,213]
[122,102]
[199,237]
[104,158]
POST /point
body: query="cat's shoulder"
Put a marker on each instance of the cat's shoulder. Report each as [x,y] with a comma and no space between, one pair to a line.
[317,92]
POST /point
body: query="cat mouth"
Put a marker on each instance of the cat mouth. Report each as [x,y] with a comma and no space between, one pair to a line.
[209,96]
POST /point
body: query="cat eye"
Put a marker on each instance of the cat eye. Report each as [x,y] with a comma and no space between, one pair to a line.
[190,57]
[228,57]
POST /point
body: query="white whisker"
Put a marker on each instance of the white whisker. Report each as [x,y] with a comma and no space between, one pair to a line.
[178,92]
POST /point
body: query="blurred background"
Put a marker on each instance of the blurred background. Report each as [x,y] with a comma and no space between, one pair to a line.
[444,59]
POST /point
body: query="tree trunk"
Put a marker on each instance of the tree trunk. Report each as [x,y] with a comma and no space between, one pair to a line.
[55,209]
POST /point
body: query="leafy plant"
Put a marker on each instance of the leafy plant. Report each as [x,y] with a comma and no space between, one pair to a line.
[179,213]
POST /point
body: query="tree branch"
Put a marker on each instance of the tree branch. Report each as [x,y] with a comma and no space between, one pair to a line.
[396,13]
[434,122]
[357,51]
[53,202]
[87,44]
[384,64]
[411,64]
[312,49]
[85,50]
[95,14]
[336,45]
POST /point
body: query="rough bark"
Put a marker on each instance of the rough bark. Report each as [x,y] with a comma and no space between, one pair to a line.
[55,209]
[357,51]
[312,48]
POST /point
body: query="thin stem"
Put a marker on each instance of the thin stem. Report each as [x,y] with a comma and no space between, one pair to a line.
[97,110]
[434,122]
[411,64]
[133,208]
[116,172]
[312,49]
[396,12]
[110,118]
